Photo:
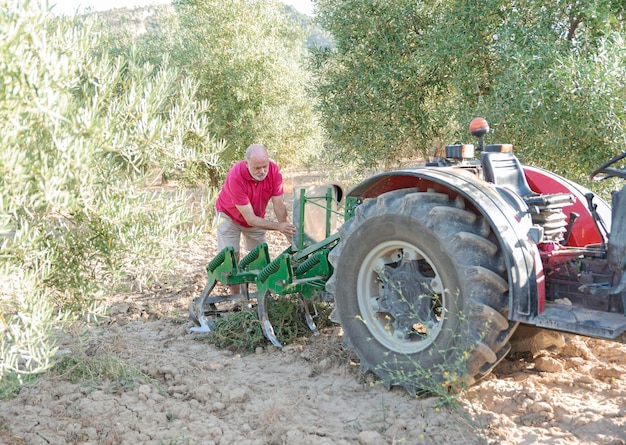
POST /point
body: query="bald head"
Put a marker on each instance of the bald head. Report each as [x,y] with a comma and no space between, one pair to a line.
[256,151]
[257,160]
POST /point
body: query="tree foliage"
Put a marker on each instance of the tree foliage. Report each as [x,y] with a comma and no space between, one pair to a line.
[409,76]
[248,58]
[80,135]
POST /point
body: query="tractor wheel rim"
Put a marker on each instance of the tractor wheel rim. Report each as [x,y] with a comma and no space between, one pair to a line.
[386,295]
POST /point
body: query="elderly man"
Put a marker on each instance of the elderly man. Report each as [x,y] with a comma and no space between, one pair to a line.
[250,185]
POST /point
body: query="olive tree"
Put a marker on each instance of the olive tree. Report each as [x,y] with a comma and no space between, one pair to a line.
[249,60]
[80,137]
[378,97]
[409,75]
[560,93]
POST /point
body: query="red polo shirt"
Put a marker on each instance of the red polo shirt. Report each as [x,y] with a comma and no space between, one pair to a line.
[240,188]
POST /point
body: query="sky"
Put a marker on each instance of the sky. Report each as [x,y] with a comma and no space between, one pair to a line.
[72,6]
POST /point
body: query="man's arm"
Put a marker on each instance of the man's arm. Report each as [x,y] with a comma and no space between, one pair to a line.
[280,209]
[281,226]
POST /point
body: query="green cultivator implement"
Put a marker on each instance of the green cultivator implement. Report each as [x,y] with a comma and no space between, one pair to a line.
[301,270]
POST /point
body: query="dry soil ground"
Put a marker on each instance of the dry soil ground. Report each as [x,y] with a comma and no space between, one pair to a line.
[181,389]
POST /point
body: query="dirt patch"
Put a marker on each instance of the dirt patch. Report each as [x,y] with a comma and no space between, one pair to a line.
[176,388]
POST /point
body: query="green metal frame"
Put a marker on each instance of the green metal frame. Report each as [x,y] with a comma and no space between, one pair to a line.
[328,200]
[225,269]
[291,272]
[351,204]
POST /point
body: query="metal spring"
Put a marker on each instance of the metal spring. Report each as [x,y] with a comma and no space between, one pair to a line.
[311,262]
[253,255]
[270,269]
[215,262]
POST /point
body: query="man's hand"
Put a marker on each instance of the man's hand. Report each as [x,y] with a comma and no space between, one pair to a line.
[287,229]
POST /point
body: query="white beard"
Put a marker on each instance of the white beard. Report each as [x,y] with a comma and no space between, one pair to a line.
[260,177]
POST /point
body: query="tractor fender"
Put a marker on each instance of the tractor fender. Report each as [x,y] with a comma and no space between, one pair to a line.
[505,212]
[584,232]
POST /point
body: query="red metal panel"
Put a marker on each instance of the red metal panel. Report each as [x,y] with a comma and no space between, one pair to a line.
[584,231]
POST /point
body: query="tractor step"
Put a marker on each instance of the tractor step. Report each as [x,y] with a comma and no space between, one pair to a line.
[582,321]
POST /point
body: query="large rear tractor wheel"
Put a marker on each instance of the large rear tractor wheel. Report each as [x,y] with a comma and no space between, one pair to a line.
[420,291]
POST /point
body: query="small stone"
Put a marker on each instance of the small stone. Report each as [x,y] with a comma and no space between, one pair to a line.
[177,389]
[548,364]
[540,407]
[563,301]
[180,411]
[371,438]
[238,395]
[119,308]
[218,406]
[437,420]
[144,389]
[292,349]
[203,393]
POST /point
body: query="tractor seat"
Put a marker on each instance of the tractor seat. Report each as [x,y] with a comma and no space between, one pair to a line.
[505,170]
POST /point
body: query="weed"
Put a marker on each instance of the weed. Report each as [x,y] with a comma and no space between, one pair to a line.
[177,440]
[11,384]
[442,373]
[178,317]
[243,331]
[94,370]
[384,421]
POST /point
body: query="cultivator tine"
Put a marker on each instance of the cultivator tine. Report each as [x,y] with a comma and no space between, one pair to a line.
[307,315]
[275,277]
[268,329]
[196,310]
[206,325]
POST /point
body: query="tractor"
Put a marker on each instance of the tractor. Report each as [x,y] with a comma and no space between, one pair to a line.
[439,264]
